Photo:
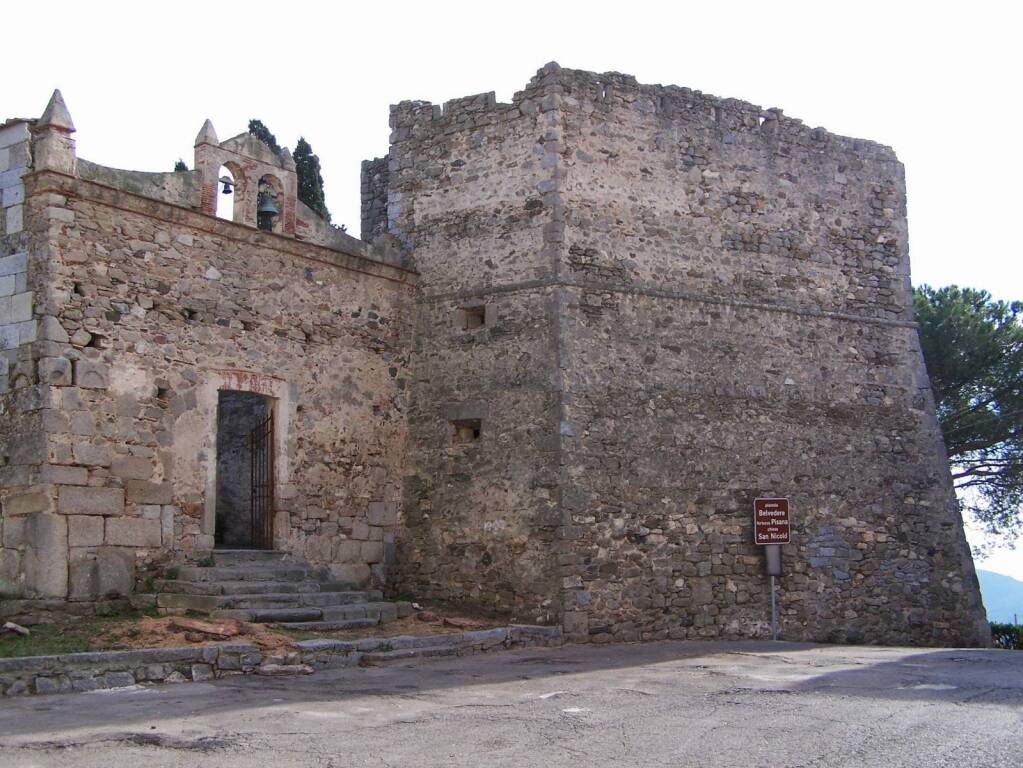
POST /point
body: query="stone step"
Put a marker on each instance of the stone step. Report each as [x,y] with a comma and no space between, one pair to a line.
[232,557]
[385,612]
[401,654]
[330,626]
[258,587]
[269,615]
[207,603]
[247,573]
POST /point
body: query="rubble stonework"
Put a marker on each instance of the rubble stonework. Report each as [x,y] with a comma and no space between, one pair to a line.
[145,312]
[585,330]
[696,302]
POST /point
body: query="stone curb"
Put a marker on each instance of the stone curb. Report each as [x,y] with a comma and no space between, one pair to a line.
[80,672]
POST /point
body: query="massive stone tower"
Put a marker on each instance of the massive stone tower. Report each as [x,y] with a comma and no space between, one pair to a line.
[640,308]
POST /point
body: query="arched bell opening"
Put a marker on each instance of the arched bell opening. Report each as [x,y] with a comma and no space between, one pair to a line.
[270,204]
[230,190]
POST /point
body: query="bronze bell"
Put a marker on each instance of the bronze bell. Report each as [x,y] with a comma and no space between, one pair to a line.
[228,183]
[266,206]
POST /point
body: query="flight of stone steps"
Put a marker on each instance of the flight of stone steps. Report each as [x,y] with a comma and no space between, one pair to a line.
[271,587]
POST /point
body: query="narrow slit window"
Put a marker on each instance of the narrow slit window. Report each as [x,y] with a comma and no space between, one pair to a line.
[466,431]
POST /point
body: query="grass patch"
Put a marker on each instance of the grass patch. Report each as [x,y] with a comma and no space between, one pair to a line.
[46,640]
[91,634]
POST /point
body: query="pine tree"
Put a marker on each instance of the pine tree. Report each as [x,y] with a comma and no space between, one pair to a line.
[261,132]
[973,347]
[310,182]
[180,165]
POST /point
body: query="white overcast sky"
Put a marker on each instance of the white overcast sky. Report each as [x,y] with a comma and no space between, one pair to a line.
[939,82]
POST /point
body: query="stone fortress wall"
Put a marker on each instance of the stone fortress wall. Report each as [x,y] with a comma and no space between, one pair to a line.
[581,333]
[694,302]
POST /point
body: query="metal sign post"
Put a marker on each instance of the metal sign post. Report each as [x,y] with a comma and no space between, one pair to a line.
[773,552]
[772,529]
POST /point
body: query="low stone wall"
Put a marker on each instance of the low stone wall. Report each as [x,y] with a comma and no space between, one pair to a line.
[79,672]
[323,654]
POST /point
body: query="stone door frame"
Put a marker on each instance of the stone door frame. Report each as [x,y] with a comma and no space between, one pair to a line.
[282,404]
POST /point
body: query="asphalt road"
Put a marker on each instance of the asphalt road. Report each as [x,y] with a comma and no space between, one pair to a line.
[657,704]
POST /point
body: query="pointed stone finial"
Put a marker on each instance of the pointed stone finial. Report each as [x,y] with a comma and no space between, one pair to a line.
[56,115]
[287,160]
[207,135]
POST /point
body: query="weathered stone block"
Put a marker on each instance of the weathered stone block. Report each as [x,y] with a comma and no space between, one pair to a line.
[21,307]
[85,530]
[90,454]
[382,513]
[201,672]
[91,375]
[52,684]
[82,423]
[143,492]
[360,531]
[27,503]
[133,532]
[106,572]
[26,331]
[81,337]
[10,572]
[131,468]
[13,196]
[51,330]
[349,551]
[372,551]
[55,371]
[75,500]
[14,134]
[14,264]
[167,515]
[13,531]
[357,574]
[46,555]
[60,474]
[14,219]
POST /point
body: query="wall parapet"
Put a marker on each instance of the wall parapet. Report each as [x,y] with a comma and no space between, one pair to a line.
[361,260]
[573,89]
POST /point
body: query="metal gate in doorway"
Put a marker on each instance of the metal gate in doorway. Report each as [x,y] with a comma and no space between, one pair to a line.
[261,443]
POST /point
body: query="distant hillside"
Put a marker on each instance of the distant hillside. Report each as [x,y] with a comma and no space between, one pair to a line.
[1003,596]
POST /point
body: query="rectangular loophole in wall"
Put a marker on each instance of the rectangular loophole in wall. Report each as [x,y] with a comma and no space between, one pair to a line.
[473,317]
[466,431]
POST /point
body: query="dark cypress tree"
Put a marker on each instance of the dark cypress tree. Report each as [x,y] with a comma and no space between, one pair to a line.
[180,165]
[310,182]
[261,132]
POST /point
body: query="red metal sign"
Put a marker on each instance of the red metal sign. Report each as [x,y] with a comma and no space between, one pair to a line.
[771,521]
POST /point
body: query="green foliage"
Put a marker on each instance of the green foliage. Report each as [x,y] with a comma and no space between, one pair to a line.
[47,640]
[93,633]
[172,573]
[973,347]
[1008,636]
[206,562]
[310,182]
[307,167]
[180,166]
[261,132]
